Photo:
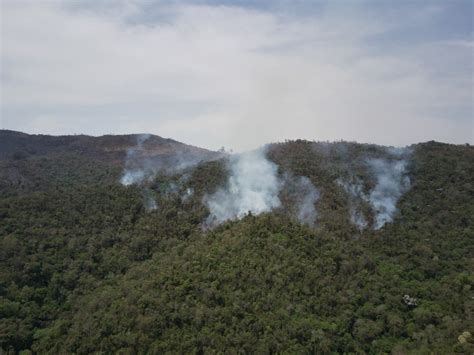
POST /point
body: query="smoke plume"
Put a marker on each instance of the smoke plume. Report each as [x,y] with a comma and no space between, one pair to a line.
[143,164]
[391,183]
[303,196]
[135,171]
[354,189]
[149,200]
[188,193]
[253,186]
[306,210]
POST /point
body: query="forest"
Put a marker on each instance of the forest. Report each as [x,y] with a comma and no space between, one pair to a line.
[87,265]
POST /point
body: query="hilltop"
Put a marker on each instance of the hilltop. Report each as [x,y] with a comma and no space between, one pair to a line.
[32,162]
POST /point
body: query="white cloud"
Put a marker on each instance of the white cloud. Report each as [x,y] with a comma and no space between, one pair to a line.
[216,75]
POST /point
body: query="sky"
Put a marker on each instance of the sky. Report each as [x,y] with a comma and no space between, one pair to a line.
[240,74]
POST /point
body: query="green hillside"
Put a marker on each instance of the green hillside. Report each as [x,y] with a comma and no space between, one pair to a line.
[85,267]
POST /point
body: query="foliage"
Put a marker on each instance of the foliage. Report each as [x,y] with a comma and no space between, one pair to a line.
[84,267]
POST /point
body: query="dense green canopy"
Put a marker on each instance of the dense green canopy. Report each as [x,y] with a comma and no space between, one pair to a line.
[84,267]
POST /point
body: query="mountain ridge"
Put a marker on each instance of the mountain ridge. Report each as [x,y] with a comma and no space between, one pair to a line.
[15,140]
[23,156]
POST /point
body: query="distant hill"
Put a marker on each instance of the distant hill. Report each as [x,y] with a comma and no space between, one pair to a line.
[303,247]
[17,145]
[35,161]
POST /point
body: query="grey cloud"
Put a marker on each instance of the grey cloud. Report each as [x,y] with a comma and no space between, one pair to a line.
[209,75]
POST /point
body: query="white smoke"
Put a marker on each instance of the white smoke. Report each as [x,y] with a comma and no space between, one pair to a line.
[133,173]
[149,200]
[188,193]
[141,166]
[391,183]
[303,195]
[356,195]
[253,186]
[170,188]
[136,173]
[130,177]
[306,210]
[358,218]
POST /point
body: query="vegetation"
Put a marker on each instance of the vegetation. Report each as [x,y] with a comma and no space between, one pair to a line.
[85,267]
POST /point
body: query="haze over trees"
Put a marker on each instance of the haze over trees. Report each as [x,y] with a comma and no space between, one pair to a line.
[354,248]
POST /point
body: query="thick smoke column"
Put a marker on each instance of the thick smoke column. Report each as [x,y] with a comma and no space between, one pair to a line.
[391,183]
[253,186]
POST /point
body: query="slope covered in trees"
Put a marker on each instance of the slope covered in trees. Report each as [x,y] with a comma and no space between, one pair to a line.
[86,267]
